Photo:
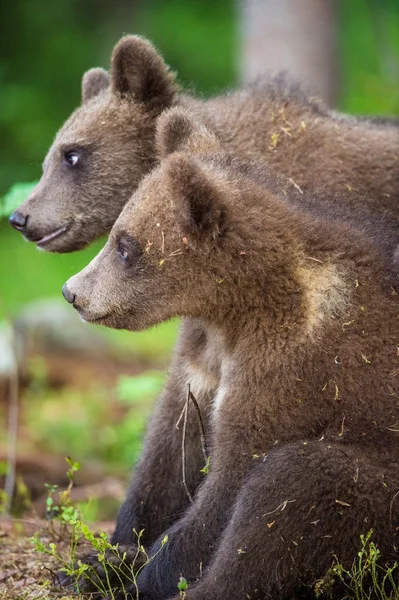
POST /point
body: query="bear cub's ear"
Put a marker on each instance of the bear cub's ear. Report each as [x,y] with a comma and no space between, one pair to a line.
[197,199]
[138,71]
[94,81]
[177,131]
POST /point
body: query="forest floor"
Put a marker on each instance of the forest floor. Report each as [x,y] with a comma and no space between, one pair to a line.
[25,574]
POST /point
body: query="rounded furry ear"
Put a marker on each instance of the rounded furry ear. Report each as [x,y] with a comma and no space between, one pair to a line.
[178,131]
[93,82]
[197,198]
[138,70]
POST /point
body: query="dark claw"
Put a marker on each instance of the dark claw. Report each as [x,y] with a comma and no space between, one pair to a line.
[64,580]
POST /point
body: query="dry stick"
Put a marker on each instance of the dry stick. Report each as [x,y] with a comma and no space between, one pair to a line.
[201,424]
[184,415]
[391,505]
[183,446]
[181,416]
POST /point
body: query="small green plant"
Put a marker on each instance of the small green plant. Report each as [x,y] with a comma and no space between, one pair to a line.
[367,579]
[63,511]
[182,586]
[118,571]
[205,468]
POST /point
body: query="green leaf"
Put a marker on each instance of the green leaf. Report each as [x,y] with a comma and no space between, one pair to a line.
[205,468]
[14,197]
[51,487]
[182,584]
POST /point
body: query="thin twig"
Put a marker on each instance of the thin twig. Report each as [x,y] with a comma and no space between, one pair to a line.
[391,505]
[183,447]
[184,416]
[201,424]
[281,506]
[296,186]
[180,418]
[315,259]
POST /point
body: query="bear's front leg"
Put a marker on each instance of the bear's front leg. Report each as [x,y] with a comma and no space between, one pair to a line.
[192,540]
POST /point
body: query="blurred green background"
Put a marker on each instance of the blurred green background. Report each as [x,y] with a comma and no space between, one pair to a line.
[45,47]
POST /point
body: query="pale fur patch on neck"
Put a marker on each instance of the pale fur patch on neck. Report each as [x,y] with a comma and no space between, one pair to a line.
[326,294]
[202,382]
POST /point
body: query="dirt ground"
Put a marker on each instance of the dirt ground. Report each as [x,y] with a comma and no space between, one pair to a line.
[26,574]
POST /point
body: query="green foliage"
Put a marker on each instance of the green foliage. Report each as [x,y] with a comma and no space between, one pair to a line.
[121,443]
[66,523]
[81,423]
[368,33]
[201,45]
[84,423]
[367,579]
[14,197]
[140,388]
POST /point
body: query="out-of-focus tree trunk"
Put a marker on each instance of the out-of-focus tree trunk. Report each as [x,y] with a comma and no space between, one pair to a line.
[298,36]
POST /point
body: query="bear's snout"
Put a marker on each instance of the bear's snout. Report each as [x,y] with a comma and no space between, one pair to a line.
[18,220]
[78,291]
[68,295]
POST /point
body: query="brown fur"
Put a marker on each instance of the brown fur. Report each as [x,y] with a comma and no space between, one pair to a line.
[303,316]
[114,132]
[94,82]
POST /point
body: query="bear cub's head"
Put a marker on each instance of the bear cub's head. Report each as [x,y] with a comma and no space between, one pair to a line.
[179,242]
[101,153]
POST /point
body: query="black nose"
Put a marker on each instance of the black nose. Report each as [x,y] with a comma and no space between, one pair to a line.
[69,297]
[18,220]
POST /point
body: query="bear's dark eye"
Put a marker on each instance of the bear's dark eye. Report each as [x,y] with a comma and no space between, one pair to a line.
[129,250]
[71,158]
[123,251]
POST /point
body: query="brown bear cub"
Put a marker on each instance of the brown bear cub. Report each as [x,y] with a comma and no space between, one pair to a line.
[108,144]
[302,315]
